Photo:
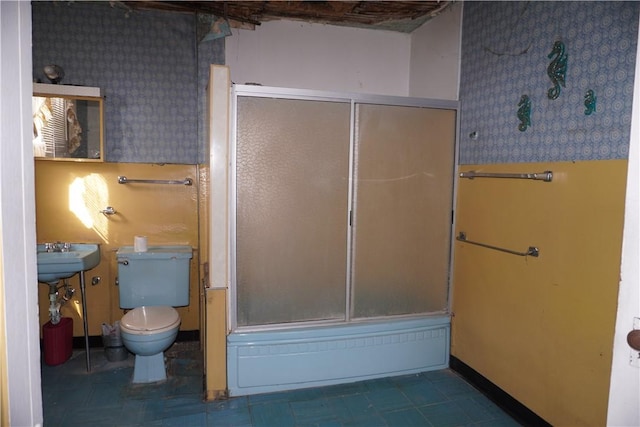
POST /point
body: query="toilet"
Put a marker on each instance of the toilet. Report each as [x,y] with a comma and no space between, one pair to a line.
[150,284]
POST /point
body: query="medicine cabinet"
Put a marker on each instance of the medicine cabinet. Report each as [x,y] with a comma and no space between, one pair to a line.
[68,122]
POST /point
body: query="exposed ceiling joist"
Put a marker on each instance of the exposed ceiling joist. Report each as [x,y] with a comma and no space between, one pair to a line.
[403,16]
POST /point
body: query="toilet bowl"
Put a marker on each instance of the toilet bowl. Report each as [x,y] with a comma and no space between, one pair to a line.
[147,332]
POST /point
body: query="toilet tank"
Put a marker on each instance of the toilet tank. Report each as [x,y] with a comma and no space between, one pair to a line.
[159,276]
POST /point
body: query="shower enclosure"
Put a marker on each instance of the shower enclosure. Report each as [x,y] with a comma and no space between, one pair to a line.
[340,238]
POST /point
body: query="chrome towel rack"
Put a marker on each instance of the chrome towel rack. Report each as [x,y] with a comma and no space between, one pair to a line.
[125,180]
[531,251]
[545,176]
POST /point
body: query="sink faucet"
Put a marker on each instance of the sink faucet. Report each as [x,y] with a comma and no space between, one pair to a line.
[57,247]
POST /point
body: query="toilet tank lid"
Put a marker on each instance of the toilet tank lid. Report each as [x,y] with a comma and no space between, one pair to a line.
[157,252]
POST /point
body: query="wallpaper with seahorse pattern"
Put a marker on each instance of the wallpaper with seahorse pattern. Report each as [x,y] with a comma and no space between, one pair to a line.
[153,73]
[506,52]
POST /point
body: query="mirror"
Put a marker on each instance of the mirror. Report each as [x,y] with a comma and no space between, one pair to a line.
[67,122]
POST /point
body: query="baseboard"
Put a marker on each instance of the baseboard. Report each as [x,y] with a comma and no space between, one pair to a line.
[188,336]
[94,341]
[506,402]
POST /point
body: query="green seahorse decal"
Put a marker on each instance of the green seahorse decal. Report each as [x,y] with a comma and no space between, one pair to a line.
[590,102]
[524,113]
[557,69]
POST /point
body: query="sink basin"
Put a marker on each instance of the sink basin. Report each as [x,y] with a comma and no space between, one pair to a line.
[53,266]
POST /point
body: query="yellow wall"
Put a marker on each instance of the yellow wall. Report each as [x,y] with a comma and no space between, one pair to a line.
[541,328]
[203,237]
[216,337]
[69,197]
[4,392]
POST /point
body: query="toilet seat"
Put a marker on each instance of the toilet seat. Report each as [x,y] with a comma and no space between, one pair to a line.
[150,320]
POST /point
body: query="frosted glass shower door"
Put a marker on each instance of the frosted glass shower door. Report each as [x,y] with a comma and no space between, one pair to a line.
[403,202]
[292,181]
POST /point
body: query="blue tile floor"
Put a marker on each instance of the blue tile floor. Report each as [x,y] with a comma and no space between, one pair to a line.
[105,397]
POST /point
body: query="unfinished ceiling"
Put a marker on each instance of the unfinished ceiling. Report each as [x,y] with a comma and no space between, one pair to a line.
[402,16]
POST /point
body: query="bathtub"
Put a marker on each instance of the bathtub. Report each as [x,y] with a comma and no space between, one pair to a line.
[286,359]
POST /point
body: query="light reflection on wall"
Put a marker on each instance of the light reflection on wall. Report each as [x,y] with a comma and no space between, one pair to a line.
[76,306]
[87,197]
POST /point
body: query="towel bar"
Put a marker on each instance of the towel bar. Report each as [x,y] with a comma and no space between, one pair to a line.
[545,176]
[532,250]
[125,180]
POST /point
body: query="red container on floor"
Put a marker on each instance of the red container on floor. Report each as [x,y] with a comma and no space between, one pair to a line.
[58,341]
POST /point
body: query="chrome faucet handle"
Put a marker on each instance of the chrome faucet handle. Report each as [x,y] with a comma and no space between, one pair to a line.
[108,211]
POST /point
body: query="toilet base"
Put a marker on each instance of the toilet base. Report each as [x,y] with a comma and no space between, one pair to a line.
[149,369]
